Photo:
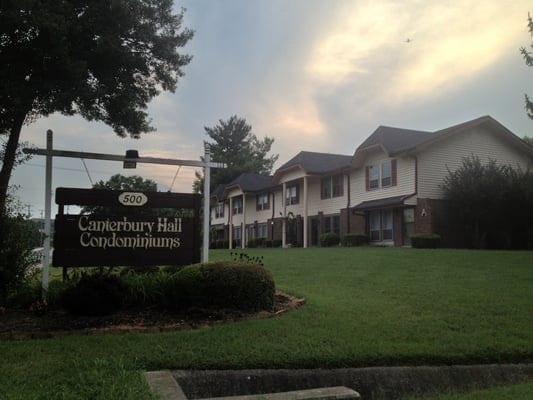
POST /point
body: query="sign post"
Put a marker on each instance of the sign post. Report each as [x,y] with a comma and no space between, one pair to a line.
[49,152]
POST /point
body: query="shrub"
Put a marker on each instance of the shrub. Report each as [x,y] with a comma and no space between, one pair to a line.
[352,239]
[329,239]
[227,284]
[16,256]
[425,240]
[276,243]
[97,294]
[258,242]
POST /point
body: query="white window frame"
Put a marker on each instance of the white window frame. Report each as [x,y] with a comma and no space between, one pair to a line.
[386,180]
[262,202]
[237,205]
[219,210]
[291,195]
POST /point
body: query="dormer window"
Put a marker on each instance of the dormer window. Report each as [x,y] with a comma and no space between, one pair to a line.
[237,205]
[219,210]
[291,195]
[262,202]
[381,175]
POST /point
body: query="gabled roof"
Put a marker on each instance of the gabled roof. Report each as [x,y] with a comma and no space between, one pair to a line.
[218,192]
[315,163]
[486,121]
[394,141]
[250,182]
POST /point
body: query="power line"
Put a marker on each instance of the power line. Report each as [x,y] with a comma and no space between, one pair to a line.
[86,170]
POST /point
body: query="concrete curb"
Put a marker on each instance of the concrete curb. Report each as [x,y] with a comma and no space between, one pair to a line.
[372,383]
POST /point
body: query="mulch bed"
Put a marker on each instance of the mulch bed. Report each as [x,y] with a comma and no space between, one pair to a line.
[23,324]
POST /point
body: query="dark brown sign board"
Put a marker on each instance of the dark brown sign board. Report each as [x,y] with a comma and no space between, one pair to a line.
[126,229]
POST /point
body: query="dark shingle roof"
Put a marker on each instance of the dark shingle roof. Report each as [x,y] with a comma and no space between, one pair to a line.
[250,182]
[218,192]
[317,163]
[394,140]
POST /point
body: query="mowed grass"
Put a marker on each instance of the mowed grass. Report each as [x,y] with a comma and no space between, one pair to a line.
[512,392]
[365,307]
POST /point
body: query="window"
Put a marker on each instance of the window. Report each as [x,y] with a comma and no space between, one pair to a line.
[373,177]
[237,205]
[219,210]
[262,202]
[262,230]
[381,175]
[331,186]
[386,173]
[337,186]
[380,225]
[332,224]
[291,195]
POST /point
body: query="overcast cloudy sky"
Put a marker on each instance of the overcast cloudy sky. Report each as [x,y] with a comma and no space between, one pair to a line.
[317,75]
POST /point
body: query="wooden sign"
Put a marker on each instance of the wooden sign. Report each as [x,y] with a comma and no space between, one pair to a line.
[127,228]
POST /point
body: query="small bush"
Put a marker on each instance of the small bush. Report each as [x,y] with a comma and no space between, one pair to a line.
[352,239]
[277,243]
[425,240]
[97,294]
[258,242]
[329,239]
[228,284]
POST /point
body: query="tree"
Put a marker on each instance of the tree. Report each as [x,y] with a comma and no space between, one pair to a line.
[16,255]
[528,140]
[104,60]
[235,144]
[491,204]
[123,183]
[528,57]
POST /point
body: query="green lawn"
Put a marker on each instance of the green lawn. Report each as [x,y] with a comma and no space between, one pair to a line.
[513,392]
[365,306]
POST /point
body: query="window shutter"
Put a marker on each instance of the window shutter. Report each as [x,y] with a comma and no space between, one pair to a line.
[367,178]
[394,173]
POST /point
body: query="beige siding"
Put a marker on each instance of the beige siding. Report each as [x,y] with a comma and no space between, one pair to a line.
[224,219]
[434,161]
[327,206]
[291,175]
[406,172]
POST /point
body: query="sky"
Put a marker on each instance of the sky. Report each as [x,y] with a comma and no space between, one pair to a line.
[316,75]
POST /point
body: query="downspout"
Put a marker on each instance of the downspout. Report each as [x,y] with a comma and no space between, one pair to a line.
[272,218]
[348,203]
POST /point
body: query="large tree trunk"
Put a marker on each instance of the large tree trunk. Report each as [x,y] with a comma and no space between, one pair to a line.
[9,160]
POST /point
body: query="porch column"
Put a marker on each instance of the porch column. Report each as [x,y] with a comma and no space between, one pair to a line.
[230,223]
[305,212]
[284,219]
[243,229]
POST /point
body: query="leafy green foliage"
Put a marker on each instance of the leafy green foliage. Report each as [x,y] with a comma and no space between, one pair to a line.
[425,240]
[16,256]
[234,143]
[103,60]
[491,204]
[329,239]
[96,294]
[123,183]
[229,285]
[352,239]
[528,57]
